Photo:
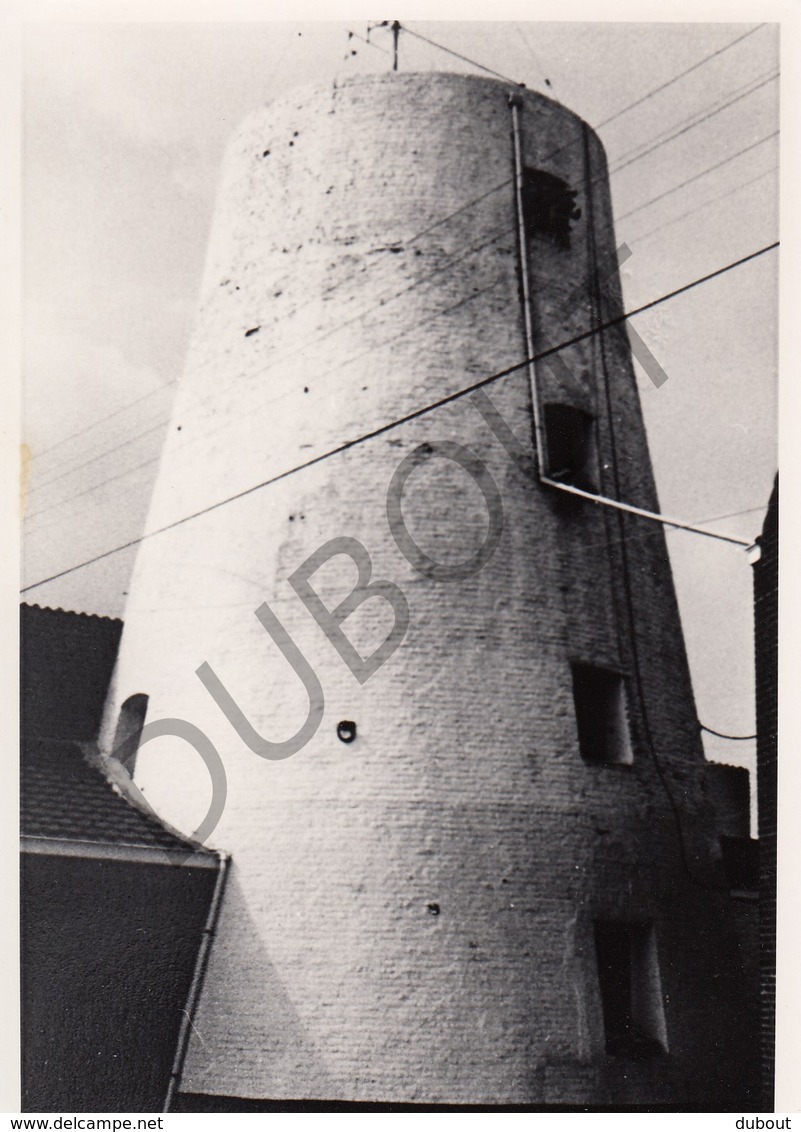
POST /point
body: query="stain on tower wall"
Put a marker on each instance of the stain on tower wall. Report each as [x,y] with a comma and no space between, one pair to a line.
[368,230]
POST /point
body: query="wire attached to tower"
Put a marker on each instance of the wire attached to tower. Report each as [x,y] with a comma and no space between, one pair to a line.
[625,573]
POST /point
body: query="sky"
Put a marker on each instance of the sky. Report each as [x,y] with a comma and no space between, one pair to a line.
[124,128]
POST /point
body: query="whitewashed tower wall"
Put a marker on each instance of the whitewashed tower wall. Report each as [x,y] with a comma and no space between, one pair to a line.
[409,916]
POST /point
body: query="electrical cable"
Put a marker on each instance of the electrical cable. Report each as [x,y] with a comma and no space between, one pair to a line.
[476,293]
[681,75]
[102,420]
[643,535]
[690,124]
[165,420]
[619,113]
[384,300]
[464,58]
[721,735]
[369,42]
[494,234]
[625,573]
[698,207]
[458,259]
[563,487]
[438,223]
[697,176]
[150,430]
[630,106]
[587,546]
[90,489]
[532,52]
[103,482]
[282,358]
[93,460]
[415,414]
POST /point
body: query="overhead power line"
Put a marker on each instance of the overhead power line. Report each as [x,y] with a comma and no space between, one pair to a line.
[457,55]
[694,121]
[697,176]
[721,735]
[414,415]
[699,207]
[369,42]
[658,90]
[442,220]
[102,420]
[94,487]
[532,52]
[100,456]
[472,296]
[383,300]
[605,545]
[643,535]
[638,102]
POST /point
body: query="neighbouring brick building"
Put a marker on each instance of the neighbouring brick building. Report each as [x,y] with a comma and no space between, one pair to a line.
[114,905]
[490,872]
[766,639]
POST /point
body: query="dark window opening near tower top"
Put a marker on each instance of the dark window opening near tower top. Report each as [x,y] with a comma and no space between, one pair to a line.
[570,444]
[631,989]
[548,207]
[129,729]
[599,695]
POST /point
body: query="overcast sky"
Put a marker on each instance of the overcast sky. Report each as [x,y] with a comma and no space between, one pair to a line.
[124,131]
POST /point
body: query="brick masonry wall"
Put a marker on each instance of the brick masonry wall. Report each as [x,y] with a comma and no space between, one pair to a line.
[766,640]
[364,262]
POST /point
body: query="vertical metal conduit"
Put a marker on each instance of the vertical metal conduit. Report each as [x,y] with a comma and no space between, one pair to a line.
[201,961]
[516,104]
[540,441]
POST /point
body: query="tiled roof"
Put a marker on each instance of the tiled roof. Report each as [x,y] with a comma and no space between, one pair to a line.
[70,796]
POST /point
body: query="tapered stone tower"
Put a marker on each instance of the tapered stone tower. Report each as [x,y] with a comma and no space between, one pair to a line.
[480,867]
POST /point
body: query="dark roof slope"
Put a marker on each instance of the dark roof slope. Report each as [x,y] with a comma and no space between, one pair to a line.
[68,795]
[66,664]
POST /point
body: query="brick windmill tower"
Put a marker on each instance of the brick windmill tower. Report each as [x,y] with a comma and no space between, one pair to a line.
[473,852]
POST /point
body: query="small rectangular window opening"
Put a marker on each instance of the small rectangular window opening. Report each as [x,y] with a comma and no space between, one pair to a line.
[570,443]
[548,207]
[631,989]
[599,696]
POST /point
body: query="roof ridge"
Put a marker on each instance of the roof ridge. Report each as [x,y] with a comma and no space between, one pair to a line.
[116,775]
[69,612]
[731,766]
[60,798]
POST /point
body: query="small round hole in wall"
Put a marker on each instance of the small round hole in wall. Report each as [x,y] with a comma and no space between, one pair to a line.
[346,730]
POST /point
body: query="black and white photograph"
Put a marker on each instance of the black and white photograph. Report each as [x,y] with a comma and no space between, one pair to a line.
[399,626]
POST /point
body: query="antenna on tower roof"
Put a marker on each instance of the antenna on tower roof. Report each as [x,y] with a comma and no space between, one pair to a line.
[395,38]
[527,42]
[395,27]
